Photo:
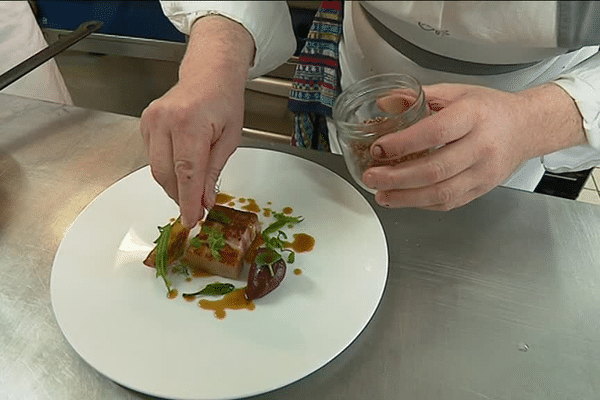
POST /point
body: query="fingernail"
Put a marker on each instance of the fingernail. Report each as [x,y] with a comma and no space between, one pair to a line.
[369,180]
[381,200]
[377,151]
[189,223]
[186,223]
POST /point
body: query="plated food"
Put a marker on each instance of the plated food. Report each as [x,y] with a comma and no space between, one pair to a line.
[113,311]
[223,241]
[228,240]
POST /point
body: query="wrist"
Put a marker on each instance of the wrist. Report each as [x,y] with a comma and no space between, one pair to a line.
[217,43]
[553,118]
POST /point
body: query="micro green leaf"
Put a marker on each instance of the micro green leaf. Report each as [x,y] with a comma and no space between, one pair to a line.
[213,289]
[215,241]
[162,254]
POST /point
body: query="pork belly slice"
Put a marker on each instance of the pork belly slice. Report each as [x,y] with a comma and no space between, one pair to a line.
[176,246]
[239,229]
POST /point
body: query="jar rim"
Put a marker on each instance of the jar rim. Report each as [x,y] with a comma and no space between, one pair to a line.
[365,86]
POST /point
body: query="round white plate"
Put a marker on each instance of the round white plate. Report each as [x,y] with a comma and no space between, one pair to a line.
[115,313]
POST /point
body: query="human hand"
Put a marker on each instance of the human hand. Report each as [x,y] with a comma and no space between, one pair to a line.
[191,131]
[486,135]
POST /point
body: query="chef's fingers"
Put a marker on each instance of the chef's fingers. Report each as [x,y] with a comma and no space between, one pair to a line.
[220,153]
[191,154]
[445,126]
[432,168]
[159,148]
[468,197]
[397,101]
[446,195]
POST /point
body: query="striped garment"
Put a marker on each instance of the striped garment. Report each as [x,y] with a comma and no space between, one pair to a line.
[316,80]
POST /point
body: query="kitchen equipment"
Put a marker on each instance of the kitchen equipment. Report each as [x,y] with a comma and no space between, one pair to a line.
[44,55]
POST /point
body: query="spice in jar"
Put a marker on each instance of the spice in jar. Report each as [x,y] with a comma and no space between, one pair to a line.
[361,149]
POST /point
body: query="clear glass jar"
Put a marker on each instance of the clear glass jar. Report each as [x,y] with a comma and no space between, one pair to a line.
[374,107]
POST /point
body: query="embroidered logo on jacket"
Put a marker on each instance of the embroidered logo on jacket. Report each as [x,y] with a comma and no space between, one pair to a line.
[429,28]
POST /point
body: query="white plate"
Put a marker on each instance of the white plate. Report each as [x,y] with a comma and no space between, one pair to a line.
[115,314]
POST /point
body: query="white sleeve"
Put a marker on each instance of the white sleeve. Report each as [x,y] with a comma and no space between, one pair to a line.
[268,22]
[582,83]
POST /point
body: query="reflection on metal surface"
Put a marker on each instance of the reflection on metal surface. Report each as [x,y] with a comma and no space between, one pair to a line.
[509,267]
[264,135]
[273,86]
[11,187]
[123,45]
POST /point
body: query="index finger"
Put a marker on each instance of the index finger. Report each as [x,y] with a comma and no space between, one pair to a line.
[191,153]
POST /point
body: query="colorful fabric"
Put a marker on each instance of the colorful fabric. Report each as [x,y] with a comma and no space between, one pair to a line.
[316,80]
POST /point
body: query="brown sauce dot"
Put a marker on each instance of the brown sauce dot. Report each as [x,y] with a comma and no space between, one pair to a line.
[267,212]
[223,198]
[242,200]
[189,298]
[231,204]
[189,279]
[252,206]
[288,210]
[297,271]
[269,203]
[235,300]
[302,243]
[172,294]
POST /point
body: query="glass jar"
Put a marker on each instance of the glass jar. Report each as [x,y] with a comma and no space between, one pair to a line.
[374,107]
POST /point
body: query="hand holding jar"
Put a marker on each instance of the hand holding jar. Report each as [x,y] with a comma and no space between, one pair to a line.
[481,135]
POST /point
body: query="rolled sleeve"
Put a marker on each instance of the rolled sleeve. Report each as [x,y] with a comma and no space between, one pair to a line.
[582,83]
[268,22]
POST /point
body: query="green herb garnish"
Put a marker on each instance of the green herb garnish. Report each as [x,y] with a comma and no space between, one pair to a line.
[162,254]
[281,221]
[267,257]
[213,289]
[215,241]
[277,243]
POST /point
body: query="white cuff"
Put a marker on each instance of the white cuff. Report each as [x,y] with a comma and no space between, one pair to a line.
[268,22]
[582,83]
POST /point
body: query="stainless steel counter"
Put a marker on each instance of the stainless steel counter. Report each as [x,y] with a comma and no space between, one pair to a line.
[497,300]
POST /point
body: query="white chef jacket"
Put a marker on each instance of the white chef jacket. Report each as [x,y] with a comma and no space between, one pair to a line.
[20,38]
[487,32]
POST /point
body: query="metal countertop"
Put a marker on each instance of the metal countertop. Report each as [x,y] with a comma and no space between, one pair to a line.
[499,299]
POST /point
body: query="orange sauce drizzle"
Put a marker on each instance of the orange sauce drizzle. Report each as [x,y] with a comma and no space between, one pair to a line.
[302,243]
[252,206]
[235,300]
[223,198]
[189,299]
